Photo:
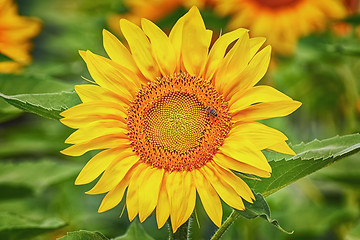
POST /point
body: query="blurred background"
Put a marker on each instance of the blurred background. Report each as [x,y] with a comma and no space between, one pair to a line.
[316,60]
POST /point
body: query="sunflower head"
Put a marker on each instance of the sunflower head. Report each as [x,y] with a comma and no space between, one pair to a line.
[282,22]
[15,34]
[175,118]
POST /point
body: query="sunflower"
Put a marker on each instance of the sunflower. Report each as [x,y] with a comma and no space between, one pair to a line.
[153,10]
[15,33]
[174,119]
[282,22]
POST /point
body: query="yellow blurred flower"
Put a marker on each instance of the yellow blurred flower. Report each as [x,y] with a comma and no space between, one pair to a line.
[153,10]
[282,22]
[15,34]
[174,119]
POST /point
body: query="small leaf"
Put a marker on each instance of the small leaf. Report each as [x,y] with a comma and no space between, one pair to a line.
[83,235]
[135,232]
[48,105]
[260,208]
[26,178]
[310,157]
[13,226]
[4,58]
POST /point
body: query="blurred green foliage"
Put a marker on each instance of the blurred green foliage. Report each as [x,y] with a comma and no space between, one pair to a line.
[38,199]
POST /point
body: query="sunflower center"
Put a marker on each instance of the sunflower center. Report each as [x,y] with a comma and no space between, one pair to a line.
[178,122]
[275,4]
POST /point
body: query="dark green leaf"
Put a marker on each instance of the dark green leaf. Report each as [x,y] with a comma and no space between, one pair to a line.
[310,157]
[135,232]
[353,19]
[4,58]
[260,208]
[13,226]
[26,178]
[84,235]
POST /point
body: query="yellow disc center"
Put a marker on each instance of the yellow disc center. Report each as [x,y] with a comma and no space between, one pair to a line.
[176,122]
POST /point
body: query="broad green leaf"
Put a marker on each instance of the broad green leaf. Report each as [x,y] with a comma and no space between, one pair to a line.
[19,179]
[310,157]
[13,226]
[135,232]
[37,94]
[260,208]
[13,84]
[4,58]
[84,235]
[48,105]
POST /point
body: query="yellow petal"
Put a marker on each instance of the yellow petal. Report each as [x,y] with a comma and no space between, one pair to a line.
[86,113]
[182,195]
[258,134]
[235,182]
[163,205]
[111,76]
[149,191]
[225,191]
[97,165]
[209,197]
[282,147]
[132,195]
[195,42]
[118,52]
[266,110]
[233,64]
[114,197]
[187,208]
[140,49]
[99,129]
[87,108]
[161,46]
[94,93]
[252,73]
[238,166]
[218,50]
[104,142]
[115,172]
[257,94]
[255,44]
[246,153]
[175,37]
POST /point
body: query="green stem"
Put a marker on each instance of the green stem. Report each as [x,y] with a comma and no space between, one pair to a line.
[233,216]
[182,233]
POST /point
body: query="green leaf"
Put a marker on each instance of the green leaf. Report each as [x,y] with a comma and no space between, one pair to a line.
[135,232]
[13,226]
[260,208]
[310,157]
[84,235]
[37,94]
[353,19]
[27,178]
[4,58]
[13,84]
[48,105]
